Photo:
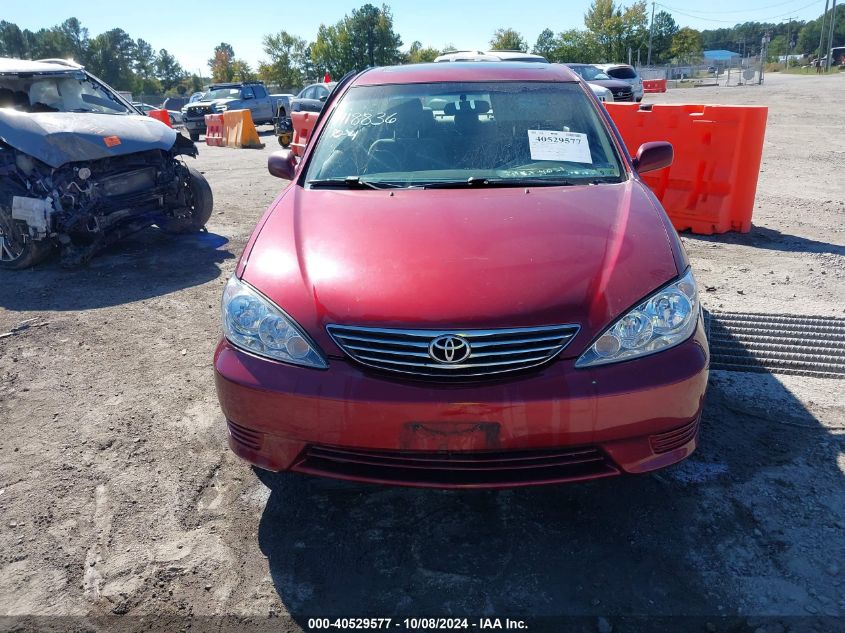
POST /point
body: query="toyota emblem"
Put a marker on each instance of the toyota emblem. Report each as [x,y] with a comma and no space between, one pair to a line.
[449,349]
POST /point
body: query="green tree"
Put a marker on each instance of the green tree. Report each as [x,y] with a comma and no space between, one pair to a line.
[665,29]
[576,45]
[287,59]
[545,44]
[418,54]
[241,71]
[221,63]
[777,48]
[168,71]
[686,45]
[634,34]
[12,40]
[508,40]
[808,36]
[372,37]
[111,56]
[604,22]
[617,29]
[145,59]
[363,38]
[76,37]
[331,51]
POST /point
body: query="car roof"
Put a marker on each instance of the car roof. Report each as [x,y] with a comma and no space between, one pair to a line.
[607,66]
[10,65]
[235,84]
[464,71]
[489,56]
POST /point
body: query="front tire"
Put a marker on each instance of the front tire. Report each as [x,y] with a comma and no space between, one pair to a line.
[18,251]
[201,207]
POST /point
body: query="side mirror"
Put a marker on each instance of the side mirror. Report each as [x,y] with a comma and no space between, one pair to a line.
[282,164]
[654,155]
[323,97]
[247,96]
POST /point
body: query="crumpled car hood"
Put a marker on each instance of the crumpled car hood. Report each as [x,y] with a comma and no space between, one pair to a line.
[57,138]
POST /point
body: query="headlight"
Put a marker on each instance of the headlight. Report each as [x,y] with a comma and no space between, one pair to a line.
[256,324]
[663,320]
[219,107]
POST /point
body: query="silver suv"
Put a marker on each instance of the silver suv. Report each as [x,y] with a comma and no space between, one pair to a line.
[626,73]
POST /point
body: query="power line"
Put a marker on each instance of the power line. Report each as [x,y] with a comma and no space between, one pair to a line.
[771,6]
[709,19]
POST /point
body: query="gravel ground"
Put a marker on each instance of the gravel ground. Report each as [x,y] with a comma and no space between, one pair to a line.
[118,495]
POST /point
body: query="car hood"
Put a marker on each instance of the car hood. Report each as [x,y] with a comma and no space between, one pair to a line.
[57,138]
[610,84]
[461,258]
[207,104]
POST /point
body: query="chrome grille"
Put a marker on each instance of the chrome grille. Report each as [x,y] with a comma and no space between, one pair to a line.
[491,352]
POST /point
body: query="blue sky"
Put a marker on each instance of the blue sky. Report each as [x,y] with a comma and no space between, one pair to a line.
[190,30]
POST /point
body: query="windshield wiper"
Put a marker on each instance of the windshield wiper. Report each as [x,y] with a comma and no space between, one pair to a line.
[350,182]
[475,181]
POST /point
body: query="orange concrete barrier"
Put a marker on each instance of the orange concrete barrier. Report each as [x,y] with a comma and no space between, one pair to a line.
[214,129]
[303,125]
[239,130]
[710,186]
[160,115]
[654,85]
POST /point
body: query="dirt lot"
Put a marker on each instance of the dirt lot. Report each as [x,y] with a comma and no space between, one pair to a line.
[118,494]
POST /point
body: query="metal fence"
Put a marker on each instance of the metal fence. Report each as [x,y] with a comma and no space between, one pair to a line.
[737,72]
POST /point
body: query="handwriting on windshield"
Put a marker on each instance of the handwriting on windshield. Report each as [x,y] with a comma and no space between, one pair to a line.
[351,122]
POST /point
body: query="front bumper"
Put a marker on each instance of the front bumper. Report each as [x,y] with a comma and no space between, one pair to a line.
[195,125]
[553,425]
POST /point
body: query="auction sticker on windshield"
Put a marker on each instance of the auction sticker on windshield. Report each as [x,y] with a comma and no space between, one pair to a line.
[559,146]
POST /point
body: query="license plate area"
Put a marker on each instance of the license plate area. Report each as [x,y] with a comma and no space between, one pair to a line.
[450,436]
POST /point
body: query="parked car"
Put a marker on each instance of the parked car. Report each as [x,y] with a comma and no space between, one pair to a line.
[490,56]
[81,168]
[310,99]
[626,73]
[175,116]
[465,283]
[621,90]
[219,98]
[602,94]
[175,104]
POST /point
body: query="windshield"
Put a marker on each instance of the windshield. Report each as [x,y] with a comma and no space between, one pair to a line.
[623,72]
[421,134]
[590,73]
[58,92]
[222,93]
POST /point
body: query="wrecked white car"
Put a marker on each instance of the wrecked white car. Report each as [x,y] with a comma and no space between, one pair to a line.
[80,167]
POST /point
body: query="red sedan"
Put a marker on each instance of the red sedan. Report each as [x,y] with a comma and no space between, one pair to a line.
[465,284]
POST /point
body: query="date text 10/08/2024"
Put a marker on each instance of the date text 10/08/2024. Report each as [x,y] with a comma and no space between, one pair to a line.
[414,624]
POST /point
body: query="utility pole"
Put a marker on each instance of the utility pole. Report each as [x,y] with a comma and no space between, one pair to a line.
[788,27]
[650,35]
[764,49]
[821,35]
[830,35]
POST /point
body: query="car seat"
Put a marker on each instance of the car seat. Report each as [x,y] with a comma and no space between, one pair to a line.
[411,148]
